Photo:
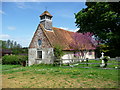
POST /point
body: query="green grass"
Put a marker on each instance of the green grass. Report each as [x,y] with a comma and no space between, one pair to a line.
[7,67]
[84,72]
[49,73]
[98,62]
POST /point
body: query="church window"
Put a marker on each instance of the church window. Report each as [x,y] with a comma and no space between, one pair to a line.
[39,54]
[39,42]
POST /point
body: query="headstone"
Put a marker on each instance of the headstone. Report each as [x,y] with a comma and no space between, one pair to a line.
[102,54]
[103,62]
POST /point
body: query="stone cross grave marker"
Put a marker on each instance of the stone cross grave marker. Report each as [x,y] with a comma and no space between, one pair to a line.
[103,63]
[102,54]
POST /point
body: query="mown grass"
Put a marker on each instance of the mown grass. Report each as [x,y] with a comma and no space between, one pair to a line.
[7,67]
[48,76]
[100,61]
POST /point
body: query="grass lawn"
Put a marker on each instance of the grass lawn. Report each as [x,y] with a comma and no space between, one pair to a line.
[47,76]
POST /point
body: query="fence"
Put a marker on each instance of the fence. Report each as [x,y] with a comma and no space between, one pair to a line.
[112,63]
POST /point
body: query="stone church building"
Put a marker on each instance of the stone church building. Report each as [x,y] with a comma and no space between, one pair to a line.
[41,48]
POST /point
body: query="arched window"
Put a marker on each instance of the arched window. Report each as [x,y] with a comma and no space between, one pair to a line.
[39,42]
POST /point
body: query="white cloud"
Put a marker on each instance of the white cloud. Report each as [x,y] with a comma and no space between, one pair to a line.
[11,28]
[21,5]
[1,12]
[4,36]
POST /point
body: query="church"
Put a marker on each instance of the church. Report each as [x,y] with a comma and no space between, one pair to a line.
[41,48]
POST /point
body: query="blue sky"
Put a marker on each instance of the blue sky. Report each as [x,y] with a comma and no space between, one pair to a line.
[20,19]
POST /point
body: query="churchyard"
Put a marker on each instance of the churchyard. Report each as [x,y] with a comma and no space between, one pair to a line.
[59,58]
[49,76]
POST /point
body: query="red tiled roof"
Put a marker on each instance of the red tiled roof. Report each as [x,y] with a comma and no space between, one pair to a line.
[64,38]
[46,13]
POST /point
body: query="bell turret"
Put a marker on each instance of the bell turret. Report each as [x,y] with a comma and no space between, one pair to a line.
[46,20]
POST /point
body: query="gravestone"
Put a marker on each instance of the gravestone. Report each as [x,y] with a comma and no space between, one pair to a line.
[103,62]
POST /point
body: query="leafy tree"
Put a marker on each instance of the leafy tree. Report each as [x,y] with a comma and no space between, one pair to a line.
[58,51]
[14,59]
[103,20]
[14,46]
[4,44]
[8,43]
[81,43]
[11,44]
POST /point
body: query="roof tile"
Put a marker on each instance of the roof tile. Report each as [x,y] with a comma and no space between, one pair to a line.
[64,38]
[46,13]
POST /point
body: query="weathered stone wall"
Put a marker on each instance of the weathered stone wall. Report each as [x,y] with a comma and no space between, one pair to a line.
[39,34]
[32,54]
[47,24]
[47,56]
[47,51]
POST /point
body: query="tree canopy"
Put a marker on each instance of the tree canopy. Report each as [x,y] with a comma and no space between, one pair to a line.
[81,43]
[103,20]
[9,44]
[14,46]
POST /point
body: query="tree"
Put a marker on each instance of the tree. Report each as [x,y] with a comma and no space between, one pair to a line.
[82,43]
[8,43]
[14,46]
[58,51]
[103,20]
[4,44]
[11,44]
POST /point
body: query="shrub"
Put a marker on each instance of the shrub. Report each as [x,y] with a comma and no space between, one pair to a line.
[14,59]
[58,51]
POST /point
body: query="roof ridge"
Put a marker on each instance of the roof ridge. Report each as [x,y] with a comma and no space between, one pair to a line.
[64,29]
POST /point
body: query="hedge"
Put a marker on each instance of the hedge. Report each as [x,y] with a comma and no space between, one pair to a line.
[14,59]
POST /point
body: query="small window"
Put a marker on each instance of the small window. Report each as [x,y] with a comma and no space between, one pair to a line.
[43,17]
[39,42]
[39,54]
